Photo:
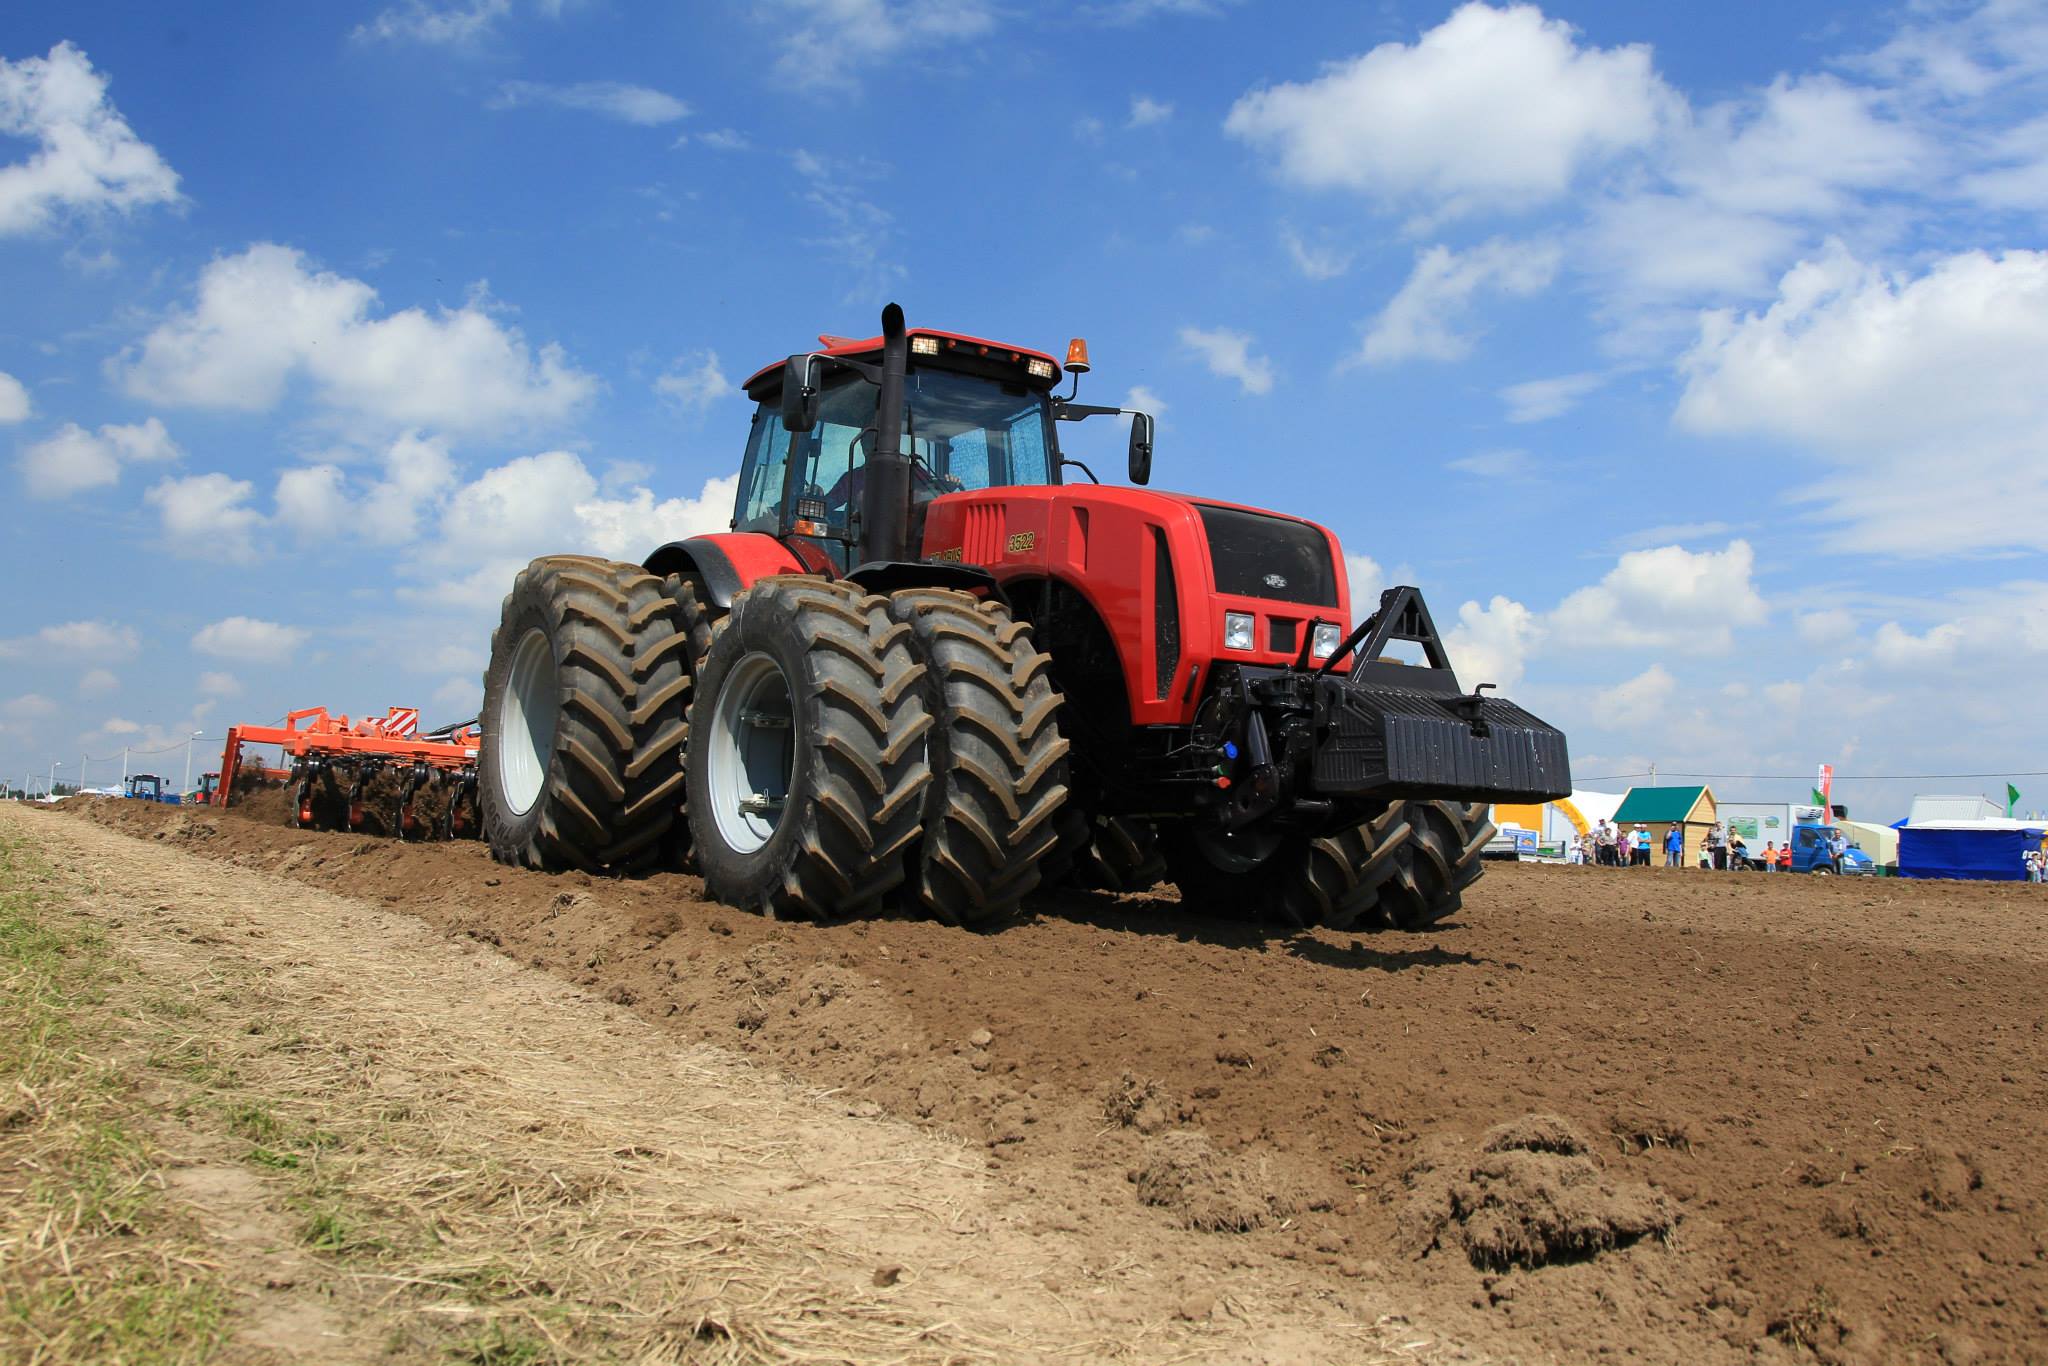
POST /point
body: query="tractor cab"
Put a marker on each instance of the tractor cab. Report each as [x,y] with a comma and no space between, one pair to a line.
[145,787]
[975,415]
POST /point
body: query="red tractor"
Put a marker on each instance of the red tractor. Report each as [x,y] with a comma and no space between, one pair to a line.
[924,664]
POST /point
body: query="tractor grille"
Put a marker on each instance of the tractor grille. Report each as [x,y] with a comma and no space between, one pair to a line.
[982,538]
[1166,614]
[1254,555]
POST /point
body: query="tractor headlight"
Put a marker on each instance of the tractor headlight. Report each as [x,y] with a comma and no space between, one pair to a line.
[924,346]
[1329,635]
[1237,630]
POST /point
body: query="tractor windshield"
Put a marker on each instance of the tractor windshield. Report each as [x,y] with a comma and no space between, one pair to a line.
[964,433]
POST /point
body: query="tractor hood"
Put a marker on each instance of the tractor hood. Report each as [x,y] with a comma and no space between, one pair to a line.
[1249,552]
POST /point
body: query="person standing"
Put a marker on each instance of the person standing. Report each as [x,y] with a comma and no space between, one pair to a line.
[1770,856]
[1674,847]
[1838,846]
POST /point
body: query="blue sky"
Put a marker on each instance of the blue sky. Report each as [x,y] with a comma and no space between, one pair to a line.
[1689,358]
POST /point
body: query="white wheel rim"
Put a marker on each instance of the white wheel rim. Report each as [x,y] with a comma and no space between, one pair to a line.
[750,753]
[527,715]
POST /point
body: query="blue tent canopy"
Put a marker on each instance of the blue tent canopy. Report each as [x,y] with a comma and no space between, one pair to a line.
[1993,855]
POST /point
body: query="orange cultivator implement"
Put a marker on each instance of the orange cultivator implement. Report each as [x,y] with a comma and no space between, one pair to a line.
[343,772]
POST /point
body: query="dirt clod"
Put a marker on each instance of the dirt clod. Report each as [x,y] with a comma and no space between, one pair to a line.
[1532,1195]
[1202,1189]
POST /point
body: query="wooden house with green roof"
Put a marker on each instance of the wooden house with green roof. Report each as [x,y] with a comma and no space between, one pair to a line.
[1692,809]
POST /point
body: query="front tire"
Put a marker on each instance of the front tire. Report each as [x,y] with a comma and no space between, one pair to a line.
[807,767]
[1440,859]
[581,762]
[1289,879]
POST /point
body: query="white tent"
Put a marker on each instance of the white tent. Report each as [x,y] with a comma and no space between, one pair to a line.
[1939,810]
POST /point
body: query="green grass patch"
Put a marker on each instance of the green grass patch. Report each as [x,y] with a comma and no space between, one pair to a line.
[98,1270]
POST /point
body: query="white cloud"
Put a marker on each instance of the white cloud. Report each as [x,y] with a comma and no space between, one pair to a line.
[1494,107]
[14,404]
[97,682]
[636,104]
[248,640]
[263,317]
[1539,400]
[1228,354]
[1636,702]
[826,43]
[1127,12]
[74,459]
[207,516]
[1894,647]
[87,640]
[1492,644]
[87,160]
[725,140]
[1146,111]
[215,683]
[1366,580]
[29,707]
[694,382]
[1669,597]
[1422,321]
[1315,263]
[1496,464]
[321,501]
[444,26]
[548,504]
[858,231]
[1827,626]
[1926,390]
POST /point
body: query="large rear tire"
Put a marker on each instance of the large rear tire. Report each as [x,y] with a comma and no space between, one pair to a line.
[807,764]
[998,761]
[1439,860]
[1292,880]
[580,765]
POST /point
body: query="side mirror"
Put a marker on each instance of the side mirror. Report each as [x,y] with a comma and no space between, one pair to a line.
[1141,448]
[799,399]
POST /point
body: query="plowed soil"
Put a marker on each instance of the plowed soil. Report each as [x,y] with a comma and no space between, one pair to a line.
[1618,1114]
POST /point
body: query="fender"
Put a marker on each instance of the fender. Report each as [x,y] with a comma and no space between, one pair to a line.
[728,562]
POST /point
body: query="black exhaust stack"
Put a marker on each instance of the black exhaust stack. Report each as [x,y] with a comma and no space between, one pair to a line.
[885,499]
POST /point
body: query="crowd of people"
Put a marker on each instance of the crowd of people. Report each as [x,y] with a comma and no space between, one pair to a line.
[1608,845]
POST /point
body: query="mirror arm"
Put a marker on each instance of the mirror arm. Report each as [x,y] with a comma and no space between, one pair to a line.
[1068,460]
[1074,412]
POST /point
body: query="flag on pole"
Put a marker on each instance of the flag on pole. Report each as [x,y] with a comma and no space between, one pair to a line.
[2012,799]
[1820,799]
[1824,794]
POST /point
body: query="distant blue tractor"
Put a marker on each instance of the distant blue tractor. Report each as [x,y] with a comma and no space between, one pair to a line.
[149,788]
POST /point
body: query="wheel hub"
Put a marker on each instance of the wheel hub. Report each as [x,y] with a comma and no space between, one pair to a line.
[750,753]
[528,712]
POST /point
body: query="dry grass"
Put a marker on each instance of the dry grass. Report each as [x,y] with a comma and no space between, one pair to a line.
[95,1265]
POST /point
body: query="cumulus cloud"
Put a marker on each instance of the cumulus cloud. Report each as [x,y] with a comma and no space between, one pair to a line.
[694,382]
[827,43]
[75,459]
[87,160]
[215,683]
[547,503]
[28,707]
[265,317]
[97,682]
[249,640]
[1491,108]
[1492,644]
[1669,597]
[1927,386]
[1637,701]
[1228,354]
[1423,321]
[76,640]
[207,516]
[636,104]
[1539,400]
[323,501]
[1367,581]
[14,404]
